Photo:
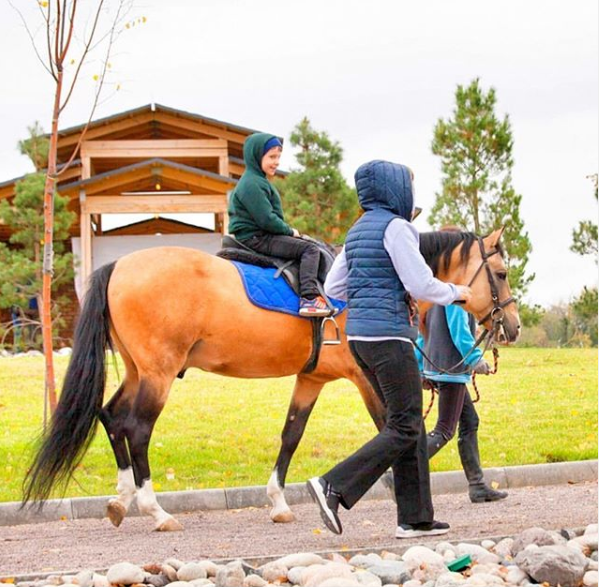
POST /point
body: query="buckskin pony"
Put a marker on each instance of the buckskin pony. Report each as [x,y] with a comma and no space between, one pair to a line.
[168,309]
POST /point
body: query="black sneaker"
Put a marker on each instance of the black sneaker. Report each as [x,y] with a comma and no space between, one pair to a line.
[328,502]
[422,529]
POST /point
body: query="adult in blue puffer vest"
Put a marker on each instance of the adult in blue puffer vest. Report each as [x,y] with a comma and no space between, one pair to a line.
[377,269]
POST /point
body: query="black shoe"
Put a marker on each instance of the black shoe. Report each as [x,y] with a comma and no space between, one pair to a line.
[422,529]
[481,493]
[328,502]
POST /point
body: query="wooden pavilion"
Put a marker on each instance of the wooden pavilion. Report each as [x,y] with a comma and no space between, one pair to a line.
[152,159]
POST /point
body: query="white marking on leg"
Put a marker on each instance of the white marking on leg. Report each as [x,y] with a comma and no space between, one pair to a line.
[148,505]
[125,487]
[280,511]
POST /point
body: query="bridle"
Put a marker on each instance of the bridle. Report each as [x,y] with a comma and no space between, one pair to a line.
[496,314]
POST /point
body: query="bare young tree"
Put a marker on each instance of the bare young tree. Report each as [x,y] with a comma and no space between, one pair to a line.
[64,33]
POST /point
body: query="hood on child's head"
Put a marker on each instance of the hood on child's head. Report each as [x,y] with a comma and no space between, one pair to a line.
[381,184]
[253,150]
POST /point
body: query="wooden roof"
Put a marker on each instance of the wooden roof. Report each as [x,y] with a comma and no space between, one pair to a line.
[157,225]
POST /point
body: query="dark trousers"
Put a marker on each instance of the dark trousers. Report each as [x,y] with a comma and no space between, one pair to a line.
[290,247]
[392,370]
[455,405]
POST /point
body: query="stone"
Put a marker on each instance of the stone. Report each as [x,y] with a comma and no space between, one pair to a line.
[503,548]
[537,536]
[423,563]
[367,579]
[180,584]
[314,575]
[478,553]
[390,571]
[159,580]
[174,562]
[191,571]
[231,575]
[84,579]
[294,575]
[100,580]
[442,547]
[339,582]
[274,572]
[448,556]
[589,540]
[553,564]
[365,560]
[254,581]
[202,583]
[484,580]
[515,576]
[412,583]
[450,579]
[592,529]
[210,567]
[125,574]
[590,579]
[488,544]
[300,559]
[170,572]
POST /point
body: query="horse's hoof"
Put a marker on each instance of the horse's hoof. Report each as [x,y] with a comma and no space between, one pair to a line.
[116,512]
[170,525]
[283,517]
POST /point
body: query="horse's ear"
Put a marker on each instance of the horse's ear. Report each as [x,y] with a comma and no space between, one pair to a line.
[493,239]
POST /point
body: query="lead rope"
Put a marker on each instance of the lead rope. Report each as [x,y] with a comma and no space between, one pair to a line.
[435,389]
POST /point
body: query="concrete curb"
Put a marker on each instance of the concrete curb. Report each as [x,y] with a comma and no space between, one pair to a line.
[174,502]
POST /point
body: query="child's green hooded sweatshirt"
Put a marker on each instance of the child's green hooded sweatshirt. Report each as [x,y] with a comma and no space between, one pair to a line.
[255,206]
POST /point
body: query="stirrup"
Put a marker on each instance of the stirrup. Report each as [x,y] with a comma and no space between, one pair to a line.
[327,341]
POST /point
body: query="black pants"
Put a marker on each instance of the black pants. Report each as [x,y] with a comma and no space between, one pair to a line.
[290,247]
[455,405]
[392,370]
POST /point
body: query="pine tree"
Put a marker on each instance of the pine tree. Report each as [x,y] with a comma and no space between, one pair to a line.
[584,238]
[475,147]
[21,262]
[316,198]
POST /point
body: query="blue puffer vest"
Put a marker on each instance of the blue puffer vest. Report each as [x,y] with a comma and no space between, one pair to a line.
[376,296]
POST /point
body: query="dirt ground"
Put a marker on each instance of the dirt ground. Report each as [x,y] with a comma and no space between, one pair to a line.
[95,544]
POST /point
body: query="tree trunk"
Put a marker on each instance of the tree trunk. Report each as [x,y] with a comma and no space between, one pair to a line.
[48,263]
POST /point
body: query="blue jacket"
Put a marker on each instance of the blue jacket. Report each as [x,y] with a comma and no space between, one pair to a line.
[376,296]
[450,336]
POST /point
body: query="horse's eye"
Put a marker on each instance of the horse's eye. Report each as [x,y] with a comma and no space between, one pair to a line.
[502,275]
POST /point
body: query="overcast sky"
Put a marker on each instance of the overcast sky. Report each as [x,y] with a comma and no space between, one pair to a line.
[376,75]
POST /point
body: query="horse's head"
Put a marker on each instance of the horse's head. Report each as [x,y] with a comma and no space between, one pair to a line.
[466,259]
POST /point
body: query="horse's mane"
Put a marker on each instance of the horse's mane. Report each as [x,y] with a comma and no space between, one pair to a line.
[437,247]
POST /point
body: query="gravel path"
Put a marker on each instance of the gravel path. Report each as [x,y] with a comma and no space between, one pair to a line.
[248,533]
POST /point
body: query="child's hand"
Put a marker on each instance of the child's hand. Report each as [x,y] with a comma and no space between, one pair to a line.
[296,233]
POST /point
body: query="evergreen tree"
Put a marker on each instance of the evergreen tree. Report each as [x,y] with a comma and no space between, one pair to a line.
[316,198]
[21,262]
[475,147]
[584,238]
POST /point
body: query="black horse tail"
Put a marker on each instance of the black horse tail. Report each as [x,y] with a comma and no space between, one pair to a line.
[75,419]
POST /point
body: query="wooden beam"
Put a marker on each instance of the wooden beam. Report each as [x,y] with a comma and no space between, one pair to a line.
[116,204]
[154,148]
[198,126]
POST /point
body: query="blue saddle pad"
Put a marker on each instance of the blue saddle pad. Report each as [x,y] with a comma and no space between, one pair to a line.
[272,293]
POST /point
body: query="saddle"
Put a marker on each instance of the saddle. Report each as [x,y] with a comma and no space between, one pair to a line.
[238,253]
[233,250]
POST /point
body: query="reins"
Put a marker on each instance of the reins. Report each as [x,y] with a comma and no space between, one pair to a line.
[496,314]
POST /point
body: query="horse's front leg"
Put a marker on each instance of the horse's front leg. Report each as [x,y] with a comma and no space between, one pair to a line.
[305,394]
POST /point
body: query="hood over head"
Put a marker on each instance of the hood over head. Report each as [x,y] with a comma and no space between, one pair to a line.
[382,184]
[253,150]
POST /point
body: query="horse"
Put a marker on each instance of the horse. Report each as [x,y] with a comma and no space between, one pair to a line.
[168,309]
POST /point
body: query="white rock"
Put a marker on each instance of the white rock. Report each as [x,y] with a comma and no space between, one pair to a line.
[478,553]
[532,547]
[592,529]
[423,563]
[191,571]
[592,565]
[488,544]
[174,562]
[84,578]
[590,579]
[365,560]
[314,575]
[448,556]
[443,547]
[449,578]
[503,548]
[210,567]
[484,580]
[125,574]
[515,576]
[170,572]
[294,575]
[179,584]
[422,554]
[412,583]
[254,581]
[201,583]
[589,540]
[339,582]
[273,572]
[301,559]
[100,580]
[367,579]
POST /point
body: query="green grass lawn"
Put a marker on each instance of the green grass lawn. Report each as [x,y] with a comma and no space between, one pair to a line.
[219,432]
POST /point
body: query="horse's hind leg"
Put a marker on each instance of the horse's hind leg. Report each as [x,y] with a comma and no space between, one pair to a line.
[148,404]
[305,394]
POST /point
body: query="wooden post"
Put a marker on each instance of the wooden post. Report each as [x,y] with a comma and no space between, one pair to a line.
[86,243]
